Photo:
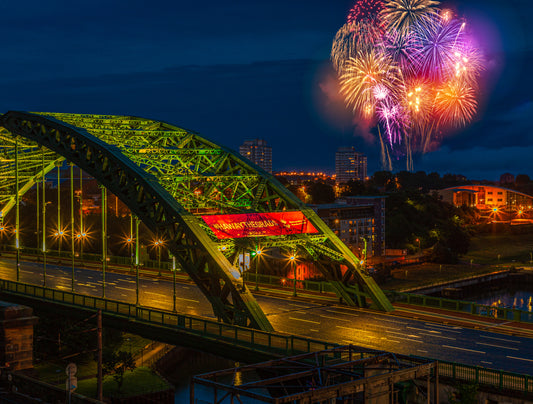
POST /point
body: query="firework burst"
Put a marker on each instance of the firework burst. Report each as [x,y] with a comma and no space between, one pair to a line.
[409,67]
[403,15]
[361,75]
[455,103]
[439,44]
[365,10]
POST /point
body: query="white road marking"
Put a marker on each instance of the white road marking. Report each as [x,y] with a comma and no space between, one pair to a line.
[301,319]
[153,293]
[497,346]
[520,359]
[447,327]
[311,329]
[424,329]
[342,312]
[463,349]
[440,336]
[187,300]
[299,305]
[402,333]
[335,318]
[500,339]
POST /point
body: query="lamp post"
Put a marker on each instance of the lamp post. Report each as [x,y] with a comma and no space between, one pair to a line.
[130,242]
[17,212]
[158,243]
[258,253]
[72,220]
[59,231]
[292,260]
[174,283]
[137,260]
[81,215]
[418,241]
[44,218]
[104,236]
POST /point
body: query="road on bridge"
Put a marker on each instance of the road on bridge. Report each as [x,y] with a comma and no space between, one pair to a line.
[318,320]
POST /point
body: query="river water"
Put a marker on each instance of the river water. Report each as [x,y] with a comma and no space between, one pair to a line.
[509,298]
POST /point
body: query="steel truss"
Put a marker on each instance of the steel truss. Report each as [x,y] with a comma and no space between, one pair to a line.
[168,176]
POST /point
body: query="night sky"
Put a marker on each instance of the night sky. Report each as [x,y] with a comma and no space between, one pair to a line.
[252,69]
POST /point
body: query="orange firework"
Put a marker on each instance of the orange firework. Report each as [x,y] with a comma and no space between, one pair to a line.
[455,103]
[362,74]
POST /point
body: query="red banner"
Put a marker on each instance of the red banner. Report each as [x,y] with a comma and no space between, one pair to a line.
[259,224]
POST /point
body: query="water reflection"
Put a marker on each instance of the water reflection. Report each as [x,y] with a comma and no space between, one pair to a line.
[517,299]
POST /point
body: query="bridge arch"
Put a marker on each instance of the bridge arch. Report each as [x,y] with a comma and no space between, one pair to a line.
[155,169]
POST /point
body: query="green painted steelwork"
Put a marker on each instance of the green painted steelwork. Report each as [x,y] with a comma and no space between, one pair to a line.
[169,176]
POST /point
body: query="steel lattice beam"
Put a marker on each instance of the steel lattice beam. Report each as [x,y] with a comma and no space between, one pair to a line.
[198,176]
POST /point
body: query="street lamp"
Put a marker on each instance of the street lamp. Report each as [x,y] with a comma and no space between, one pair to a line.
[59,235]
[292,260]
[129,242]
[257,254]
[81,238]
[158,244]
[418,241]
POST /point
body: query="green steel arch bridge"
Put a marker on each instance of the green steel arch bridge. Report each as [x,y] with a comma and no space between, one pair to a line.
[166,175]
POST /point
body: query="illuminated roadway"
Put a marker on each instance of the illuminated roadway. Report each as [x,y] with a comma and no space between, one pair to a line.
[323,321]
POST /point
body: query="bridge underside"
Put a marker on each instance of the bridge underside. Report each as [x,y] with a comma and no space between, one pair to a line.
[171,179]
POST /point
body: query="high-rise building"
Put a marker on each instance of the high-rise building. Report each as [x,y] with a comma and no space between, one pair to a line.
[349,165]
[258,152]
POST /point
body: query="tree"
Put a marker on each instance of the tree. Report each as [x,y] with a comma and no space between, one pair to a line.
[320,192]
[117,363]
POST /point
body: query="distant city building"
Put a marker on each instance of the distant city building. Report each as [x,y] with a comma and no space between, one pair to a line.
[349,165]
[506,178]
[257,152]
[486,197]
[355,219]
[495,204]
[299,177]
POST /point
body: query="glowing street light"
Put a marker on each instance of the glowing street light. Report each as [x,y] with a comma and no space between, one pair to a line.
[81,236]
[257,254]
[292,260]
[158,244]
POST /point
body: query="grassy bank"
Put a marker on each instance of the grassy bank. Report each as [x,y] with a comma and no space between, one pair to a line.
[487,253]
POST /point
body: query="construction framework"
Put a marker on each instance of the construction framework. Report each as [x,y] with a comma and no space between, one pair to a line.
[169,177]
[348,374]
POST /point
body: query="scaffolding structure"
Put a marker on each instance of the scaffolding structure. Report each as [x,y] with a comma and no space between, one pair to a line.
[346,374]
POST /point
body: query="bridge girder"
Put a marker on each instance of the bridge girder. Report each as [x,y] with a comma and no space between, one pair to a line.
[168,176]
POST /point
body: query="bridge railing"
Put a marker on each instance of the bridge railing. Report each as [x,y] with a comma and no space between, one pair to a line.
[261,341]
[495,379]
[271,343]
[148,267]
[481,310]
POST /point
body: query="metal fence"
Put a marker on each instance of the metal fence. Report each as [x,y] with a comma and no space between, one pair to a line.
[271,343]
[481,310]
